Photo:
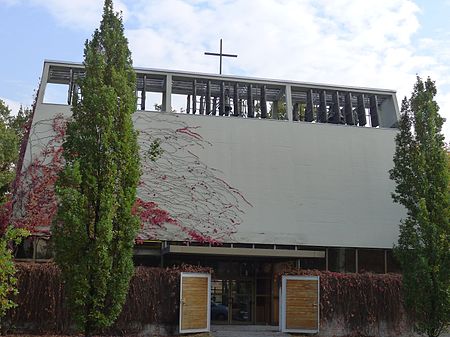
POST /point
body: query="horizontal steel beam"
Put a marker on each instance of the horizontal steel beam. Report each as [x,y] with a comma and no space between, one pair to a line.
[201,250]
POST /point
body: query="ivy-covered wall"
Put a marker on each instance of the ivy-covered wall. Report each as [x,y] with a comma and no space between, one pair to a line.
[153,299]
[350,304]
[363,304]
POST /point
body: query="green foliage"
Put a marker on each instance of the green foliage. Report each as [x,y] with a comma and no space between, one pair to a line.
[12,130]
[8,280]
[281,109]
[94,229]
[19,122]
[5,112]
[421,174]
[8,150]
[155,151]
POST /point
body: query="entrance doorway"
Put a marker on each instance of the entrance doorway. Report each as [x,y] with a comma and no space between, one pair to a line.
[232,301]
[242,301]
[242,292]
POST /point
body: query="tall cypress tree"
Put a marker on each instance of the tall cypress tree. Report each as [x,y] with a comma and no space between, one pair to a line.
[421,174]
[94,229]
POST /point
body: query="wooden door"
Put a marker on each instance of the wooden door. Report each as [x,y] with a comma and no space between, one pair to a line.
[300,304]
[195,299]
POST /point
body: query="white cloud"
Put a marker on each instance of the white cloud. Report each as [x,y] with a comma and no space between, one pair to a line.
[345,41]
[362,43]
[368,43]
[80,14]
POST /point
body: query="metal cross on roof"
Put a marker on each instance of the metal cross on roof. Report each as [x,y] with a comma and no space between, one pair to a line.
[220,54]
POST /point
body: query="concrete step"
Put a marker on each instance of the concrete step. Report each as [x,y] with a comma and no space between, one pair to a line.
[246,331]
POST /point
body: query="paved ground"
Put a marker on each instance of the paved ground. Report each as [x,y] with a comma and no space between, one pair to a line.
[246,331]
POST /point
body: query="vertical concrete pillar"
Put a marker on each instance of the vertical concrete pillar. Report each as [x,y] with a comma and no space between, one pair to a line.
[222,99]
[43,84]
[374,111]
[348,108]
[208,98]
[323,114]
[167,94]
[263,102]
[236,106]
[250,108]
[188,104]
[385,261]
[214,109]
[361,110]
[202,105]
[336,108]
[289,109]
[143,92]
[194,96]
[309,113]
[295,112]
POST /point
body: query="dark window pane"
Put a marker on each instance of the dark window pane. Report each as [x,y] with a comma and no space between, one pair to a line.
[341,260]
[312,263]
[371,260]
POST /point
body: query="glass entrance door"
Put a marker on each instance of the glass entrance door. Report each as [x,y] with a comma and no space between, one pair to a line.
[219,301]
[241,301]
[231,301]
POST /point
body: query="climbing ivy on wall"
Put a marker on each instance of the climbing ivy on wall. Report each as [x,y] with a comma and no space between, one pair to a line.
[360,304]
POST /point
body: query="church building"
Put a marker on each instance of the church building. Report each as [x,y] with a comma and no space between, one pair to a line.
[250,175]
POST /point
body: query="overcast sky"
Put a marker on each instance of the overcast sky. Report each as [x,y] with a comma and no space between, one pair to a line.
[370,43]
